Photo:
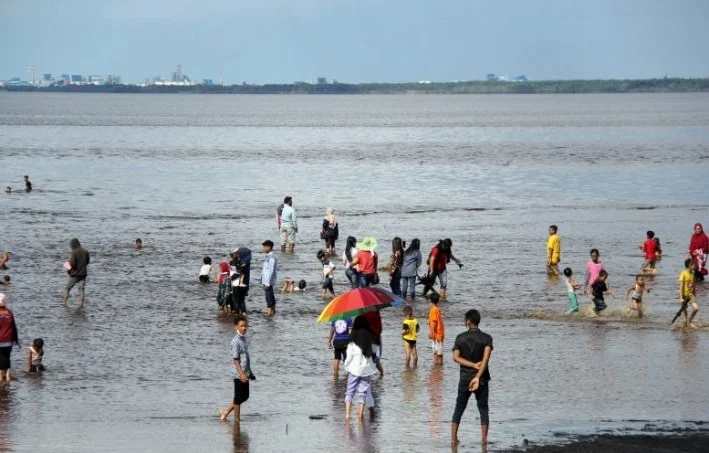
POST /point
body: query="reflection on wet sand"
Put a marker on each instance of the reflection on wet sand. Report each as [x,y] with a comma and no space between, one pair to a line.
[240,439]
[5,416]
[435,393]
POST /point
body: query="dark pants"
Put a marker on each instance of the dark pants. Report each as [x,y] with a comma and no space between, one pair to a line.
[395,283]
[481,395]
[366,280]
[327,284]
[270,297]
[5,353]
[241,391]
[238,299]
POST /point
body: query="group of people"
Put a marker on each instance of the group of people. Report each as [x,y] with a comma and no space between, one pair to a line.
[597,287]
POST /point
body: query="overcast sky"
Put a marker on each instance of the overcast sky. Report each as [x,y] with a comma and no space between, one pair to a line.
[264,41]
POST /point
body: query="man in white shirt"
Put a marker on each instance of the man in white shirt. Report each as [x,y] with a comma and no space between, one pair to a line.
[289,225]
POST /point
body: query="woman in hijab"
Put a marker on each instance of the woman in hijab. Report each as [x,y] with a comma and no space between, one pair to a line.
[359,365]
[8,338]
[330,231]
[698,251]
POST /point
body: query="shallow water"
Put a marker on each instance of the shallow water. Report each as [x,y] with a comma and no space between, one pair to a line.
[147,365]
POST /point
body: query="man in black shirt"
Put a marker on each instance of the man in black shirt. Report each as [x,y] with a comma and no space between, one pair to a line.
[472,352]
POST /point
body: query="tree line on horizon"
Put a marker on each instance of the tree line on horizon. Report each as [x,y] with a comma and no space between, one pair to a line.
[662,85]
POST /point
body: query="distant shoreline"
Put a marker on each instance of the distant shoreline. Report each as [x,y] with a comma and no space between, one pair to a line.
[664,85]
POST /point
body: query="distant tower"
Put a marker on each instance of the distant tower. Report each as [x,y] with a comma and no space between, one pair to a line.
[30,73]
[179,73]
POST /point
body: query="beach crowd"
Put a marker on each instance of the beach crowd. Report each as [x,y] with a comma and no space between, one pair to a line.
[356,341]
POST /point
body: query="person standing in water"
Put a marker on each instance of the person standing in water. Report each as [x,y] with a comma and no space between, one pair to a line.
[330,231]
[397,260]
[409,269]
[553,251]
[241,373]
[8,339]
[593,270]
[28,184]
[698,250]
[637,290]
[288,226]
[571,287]
[437,262]
[649,248]
[77,269]
[268,277]
[687,295]
[472,351]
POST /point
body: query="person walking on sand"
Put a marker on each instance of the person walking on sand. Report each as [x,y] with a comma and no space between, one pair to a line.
[472,351]
[288,226]
[553,251]
[268,277]
[8,338]
[436,330]
[241,372]
[76,267]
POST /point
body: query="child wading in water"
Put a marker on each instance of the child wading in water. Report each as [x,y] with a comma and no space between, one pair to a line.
[571,287]
[637,291]
[328,270]
[35,352]
[598,289]
[649,248]
[242,369]
[687,291]
[409,333]
[436,330]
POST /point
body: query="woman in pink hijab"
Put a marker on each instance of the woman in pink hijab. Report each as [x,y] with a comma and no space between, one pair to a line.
[698,251]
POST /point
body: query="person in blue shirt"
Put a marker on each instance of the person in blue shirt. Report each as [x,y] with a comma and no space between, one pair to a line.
[337,340]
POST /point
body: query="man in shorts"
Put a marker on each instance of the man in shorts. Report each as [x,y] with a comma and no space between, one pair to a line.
[242,369]
[687,292]
[338,340]
[288,226]
[436,330]
[472,350]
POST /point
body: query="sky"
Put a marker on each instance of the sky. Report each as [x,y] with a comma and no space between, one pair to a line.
[282,41]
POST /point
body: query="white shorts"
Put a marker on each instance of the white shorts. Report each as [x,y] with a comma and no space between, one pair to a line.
[287,236]
[437,347]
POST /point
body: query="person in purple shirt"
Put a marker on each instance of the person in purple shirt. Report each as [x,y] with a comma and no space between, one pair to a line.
[337,340]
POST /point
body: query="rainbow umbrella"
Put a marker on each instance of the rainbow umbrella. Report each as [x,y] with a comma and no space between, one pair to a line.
[358,301]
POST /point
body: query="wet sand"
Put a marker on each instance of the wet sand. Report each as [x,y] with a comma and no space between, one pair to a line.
[685,442]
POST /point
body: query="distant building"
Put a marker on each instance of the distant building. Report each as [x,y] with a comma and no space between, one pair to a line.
[502,78]
[521,78]
[207,82]
[47,77]
[76,79]
[491,76]
[322,81]
[95,80]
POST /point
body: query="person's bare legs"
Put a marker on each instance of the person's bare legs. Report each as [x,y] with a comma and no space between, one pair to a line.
[483,435]
[360,411]
[223,415]
[348,407]
[454,434]
[407,354]
[291,248]
[415,355]
[8,375]
[442,293]
[283,248]
[336,368]
[695,310]
[237,412]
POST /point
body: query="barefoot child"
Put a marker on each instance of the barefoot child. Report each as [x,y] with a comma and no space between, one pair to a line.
[553,251]
[436,330]
[649,247]
[33,363]
[409,333]
[599,289]
[571,287]
[687,291]
[327,272]
[337,340]
[242,369]
[637,291]
[206,272]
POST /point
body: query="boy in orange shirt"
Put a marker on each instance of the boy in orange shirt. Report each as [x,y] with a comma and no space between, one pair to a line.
[436,330]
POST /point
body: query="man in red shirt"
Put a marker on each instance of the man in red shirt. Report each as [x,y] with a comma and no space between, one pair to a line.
[649,247]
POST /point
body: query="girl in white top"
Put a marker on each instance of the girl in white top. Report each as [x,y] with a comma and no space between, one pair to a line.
[360,366]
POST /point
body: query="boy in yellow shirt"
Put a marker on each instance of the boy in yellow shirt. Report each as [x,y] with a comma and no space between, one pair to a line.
[686,292]
[409,333]
[553,251]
